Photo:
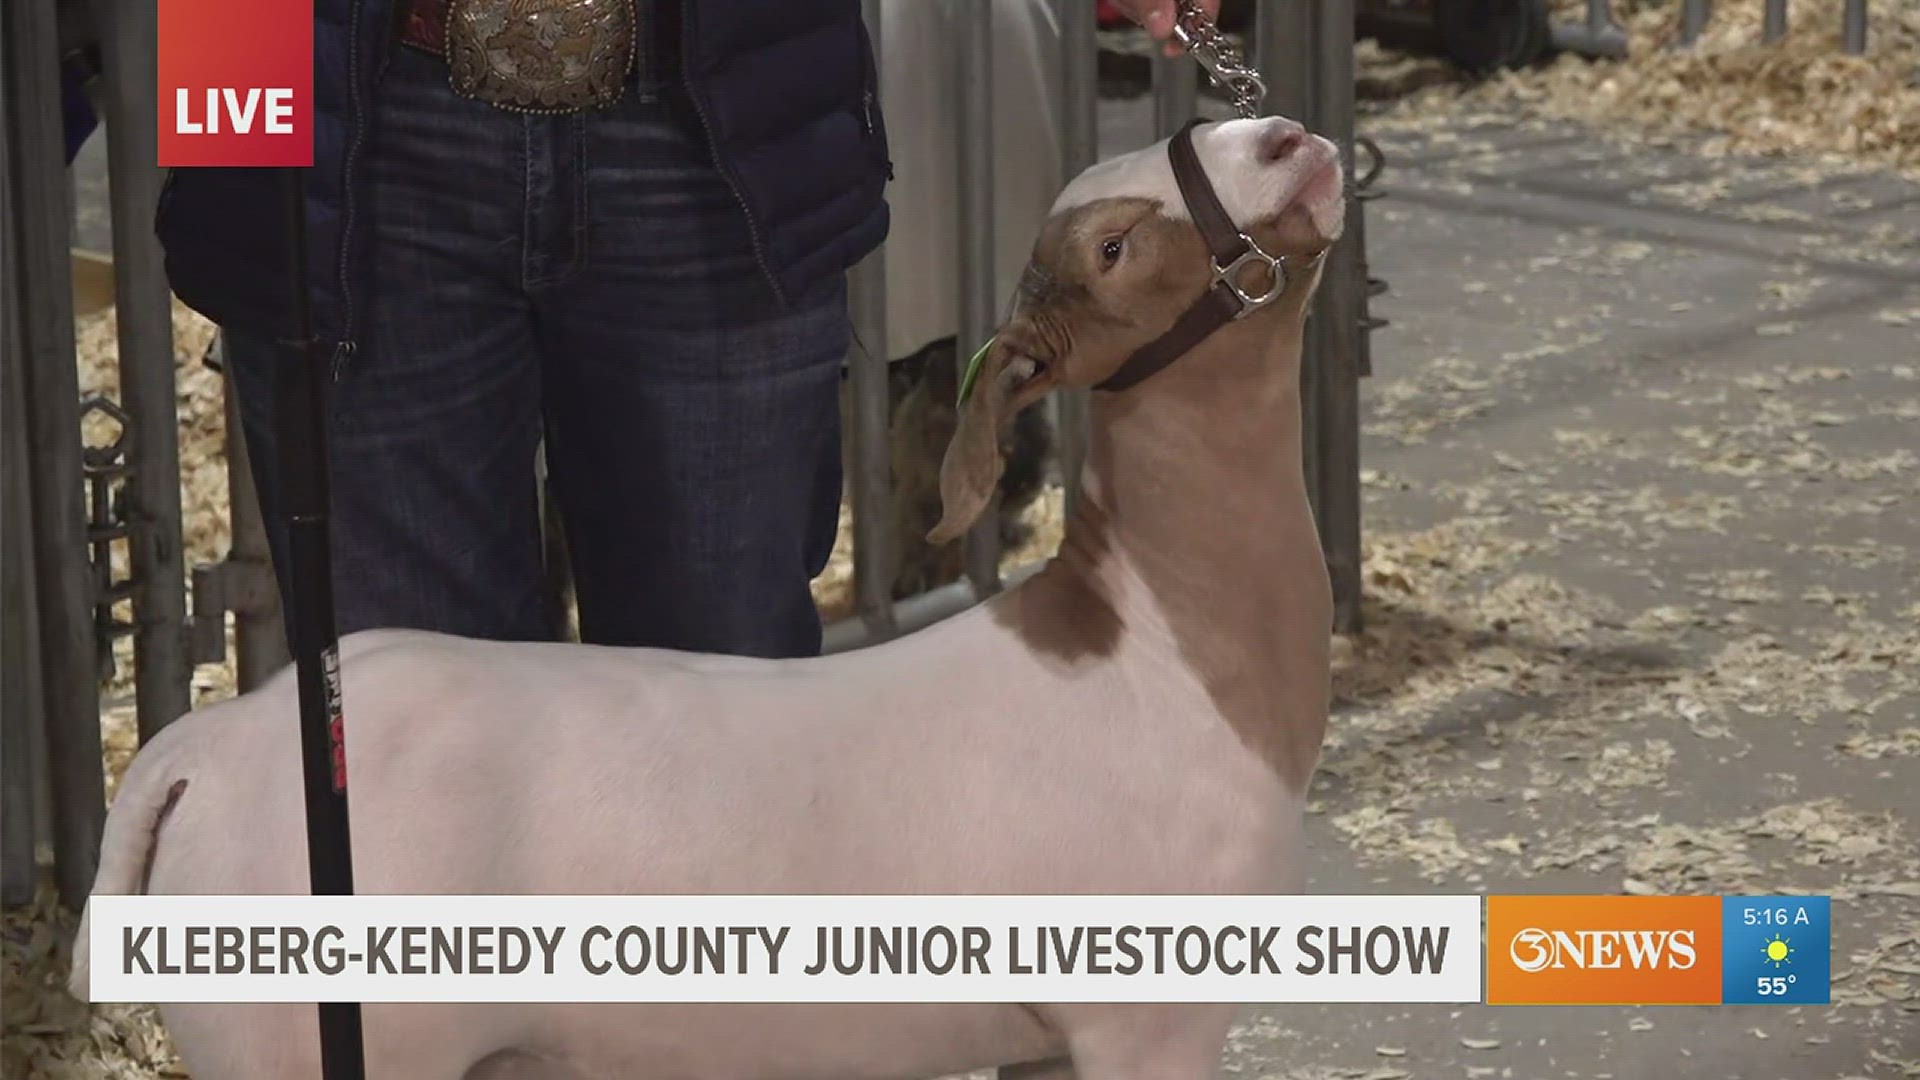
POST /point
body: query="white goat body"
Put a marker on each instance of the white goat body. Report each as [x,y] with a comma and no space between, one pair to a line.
[1062,738]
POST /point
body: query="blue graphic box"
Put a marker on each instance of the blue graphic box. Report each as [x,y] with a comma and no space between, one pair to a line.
[1776,950]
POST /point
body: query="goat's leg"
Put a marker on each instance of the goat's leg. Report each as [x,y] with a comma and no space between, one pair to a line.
[1183,1060]
[1050,1069]
[255,1041]
[1172,1042]
[523,1063]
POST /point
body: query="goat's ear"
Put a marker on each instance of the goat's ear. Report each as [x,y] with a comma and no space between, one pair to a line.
[998,389]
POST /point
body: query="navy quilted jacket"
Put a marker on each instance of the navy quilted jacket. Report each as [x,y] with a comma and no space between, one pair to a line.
[786,89]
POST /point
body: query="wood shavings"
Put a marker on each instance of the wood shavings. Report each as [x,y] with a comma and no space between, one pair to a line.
[1729,94]
[51,1035]
[1045,519]
[1627,765]
[1825,834]
[1904,742]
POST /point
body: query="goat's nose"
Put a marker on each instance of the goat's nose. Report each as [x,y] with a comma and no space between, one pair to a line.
[1280,139]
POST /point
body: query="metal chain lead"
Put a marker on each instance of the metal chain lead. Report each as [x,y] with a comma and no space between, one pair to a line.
[1219,58]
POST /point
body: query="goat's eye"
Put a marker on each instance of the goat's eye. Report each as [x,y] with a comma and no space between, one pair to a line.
[1109,251]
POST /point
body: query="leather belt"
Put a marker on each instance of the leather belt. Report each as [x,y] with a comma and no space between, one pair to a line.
[424,25]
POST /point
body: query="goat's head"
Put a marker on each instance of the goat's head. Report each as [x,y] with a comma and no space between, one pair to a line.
[1120,259]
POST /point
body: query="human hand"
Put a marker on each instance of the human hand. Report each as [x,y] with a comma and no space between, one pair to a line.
[1157,16]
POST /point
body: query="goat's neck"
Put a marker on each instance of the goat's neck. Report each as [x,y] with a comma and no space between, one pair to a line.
[1196,532]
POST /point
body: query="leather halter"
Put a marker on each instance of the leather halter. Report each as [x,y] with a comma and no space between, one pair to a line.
[1233,251]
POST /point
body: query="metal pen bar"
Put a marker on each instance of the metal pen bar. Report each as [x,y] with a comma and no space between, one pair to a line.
[974,132]
[1176,93]
[1314,343]
[301,425]
[129,35]
[1693,19]
[1339,308]
[871,484]
[1283,37]
[1600,35]
[40,274]
[871,481]
[1282,30]
[1853,27]
[919,611]
[1599,16]
[20,762]
[259,633]
[1079,77]
[1773,24]
[1079,149]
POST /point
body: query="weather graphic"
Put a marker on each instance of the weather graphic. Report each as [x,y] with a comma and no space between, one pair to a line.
[1779,950]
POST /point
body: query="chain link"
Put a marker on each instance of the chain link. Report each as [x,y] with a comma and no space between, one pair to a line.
[1222,61]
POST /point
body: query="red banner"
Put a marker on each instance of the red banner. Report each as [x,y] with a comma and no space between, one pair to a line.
[236,83]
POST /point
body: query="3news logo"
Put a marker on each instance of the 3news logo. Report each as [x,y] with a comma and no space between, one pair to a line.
[1534,949]
[1657,950]
[236,83]
[1603,950]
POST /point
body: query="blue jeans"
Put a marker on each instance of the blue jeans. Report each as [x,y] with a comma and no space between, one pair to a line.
[590,280]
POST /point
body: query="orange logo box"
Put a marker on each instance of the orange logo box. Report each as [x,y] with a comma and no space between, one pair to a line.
[1603,950]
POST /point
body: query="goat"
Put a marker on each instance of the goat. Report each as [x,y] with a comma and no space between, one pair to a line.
[919,72]
[927,384]
[1143,716]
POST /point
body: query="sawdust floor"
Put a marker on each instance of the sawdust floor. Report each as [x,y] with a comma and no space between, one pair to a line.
[1642,467]
[1643,507]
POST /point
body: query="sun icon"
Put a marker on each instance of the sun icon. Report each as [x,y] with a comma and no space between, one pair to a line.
[1779,952]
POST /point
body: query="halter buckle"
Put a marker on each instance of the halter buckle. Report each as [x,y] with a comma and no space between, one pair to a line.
[1229,274]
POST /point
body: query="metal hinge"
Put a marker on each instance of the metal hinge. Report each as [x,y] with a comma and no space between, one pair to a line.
[103,468]
[235,584]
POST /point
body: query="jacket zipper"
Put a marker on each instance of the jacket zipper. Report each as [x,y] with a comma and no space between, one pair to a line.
[713,148]
[343,352]
[869,97]
[344,349]
[873,131]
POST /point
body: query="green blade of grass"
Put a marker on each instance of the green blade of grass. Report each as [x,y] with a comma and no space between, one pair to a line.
[973,369]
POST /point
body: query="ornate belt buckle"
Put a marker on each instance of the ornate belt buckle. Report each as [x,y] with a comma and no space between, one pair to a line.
[541,56]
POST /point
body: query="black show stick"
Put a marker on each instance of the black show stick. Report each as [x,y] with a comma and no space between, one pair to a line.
[301,411]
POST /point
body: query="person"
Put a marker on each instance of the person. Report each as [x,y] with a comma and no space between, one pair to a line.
[650,290]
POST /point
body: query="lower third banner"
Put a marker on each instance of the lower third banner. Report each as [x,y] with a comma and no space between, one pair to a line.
[785,948]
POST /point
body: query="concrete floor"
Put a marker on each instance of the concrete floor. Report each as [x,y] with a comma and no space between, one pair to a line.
[1658,413]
